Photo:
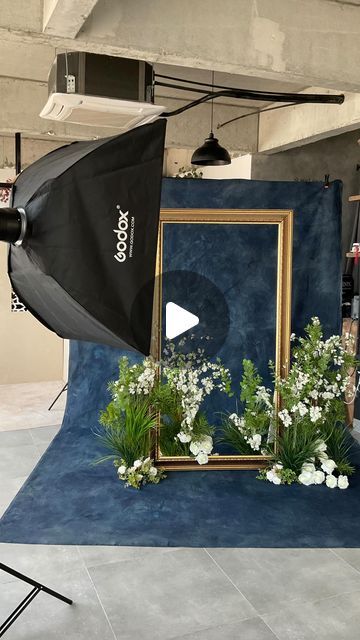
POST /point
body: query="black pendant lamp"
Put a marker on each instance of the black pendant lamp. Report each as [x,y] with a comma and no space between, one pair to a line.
[211,154]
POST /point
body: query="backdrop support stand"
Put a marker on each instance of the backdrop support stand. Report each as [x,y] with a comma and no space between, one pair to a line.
[37,588]
[58,396]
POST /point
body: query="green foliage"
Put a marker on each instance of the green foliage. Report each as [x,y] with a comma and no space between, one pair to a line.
[296,446]
[164,398]
[319,374]
[288,476]
[170,445]
[126,433]
[232,436]
[257,415]
[262,475]
[141,473]
[258,409]
[338,446]
[249,384]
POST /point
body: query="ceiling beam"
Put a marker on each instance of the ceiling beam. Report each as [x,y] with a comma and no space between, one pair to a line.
[312,43]
[65,18]
[302,124]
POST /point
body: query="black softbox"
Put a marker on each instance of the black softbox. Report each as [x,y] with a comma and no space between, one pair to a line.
[86,266]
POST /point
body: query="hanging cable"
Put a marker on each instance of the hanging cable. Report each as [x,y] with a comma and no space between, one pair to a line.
[178,87]
[252,94]
[212,102]
[296,98]
[255,113]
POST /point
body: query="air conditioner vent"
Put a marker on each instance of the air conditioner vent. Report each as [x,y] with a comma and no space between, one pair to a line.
[99,112]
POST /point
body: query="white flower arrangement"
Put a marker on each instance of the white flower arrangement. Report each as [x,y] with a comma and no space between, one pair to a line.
[312,407]
[250,432]
[192,377]
[253,439]
[136,380]
[201,449]
[141,472]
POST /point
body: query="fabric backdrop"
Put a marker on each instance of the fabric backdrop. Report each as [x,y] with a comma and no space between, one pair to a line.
[67,500]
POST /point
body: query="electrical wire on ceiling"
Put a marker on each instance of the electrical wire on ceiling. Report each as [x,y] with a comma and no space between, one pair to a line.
[256,112]
[241,94]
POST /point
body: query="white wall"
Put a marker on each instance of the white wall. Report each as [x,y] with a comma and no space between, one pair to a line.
[28,351]
[240,167]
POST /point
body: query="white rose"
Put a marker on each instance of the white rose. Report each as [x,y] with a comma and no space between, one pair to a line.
[308,466]
[122,470]
[276,479]
[206,444]
[319,477]
[184,437]
[202,458]
[153,471]
[270,475]
[343,482]
[306,478]
[331,481]
[328,465]
[195,448]
[137,464]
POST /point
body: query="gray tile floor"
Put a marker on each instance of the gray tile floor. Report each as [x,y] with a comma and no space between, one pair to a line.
[173,594]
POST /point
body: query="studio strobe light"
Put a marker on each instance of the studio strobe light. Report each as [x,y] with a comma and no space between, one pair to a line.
[13,225]
[82,228]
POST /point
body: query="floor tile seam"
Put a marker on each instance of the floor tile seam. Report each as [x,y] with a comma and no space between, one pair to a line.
[304,602]
[344,560]
[293,600]
[96,593]
[219,626]
[230,580]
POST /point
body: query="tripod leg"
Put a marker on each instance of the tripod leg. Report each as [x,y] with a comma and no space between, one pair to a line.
[18,611]
[58,396]
[37,587]
[34,583]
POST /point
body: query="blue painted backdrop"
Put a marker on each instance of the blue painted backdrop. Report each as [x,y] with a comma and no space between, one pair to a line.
[68,500]
[241,261]
[317,233]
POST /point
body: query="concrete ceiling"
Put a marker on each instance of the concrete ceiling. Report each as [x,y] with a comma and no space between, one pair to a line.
[252,44]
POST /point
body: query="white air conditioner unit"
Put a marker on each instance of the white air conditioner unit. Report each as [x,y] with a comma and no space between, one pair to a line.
[101,91]
[98,111]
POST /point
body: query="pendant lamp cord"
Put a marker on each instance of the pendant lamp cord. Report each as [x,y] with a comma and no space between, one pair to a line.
[212,101]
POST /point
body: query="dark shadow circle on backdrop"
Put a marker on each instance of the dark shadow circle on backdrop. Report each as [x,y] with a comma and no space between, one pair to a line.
[198,295]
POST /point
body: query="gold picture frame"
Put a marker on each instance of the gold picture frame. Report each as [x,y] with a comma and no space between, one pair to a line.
[283,219]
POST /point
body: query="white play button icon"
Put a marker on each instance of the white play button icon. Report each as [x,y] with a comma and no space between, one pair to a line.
[178,320]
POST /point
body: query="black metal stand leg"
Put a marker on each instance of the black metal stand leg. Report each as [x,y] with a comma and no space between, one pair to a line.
[58,396]
[37,587]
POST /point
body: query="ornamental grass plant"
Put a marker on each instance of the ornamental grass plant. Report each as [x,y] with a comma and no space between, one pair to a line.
[127,433]
[250,432]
